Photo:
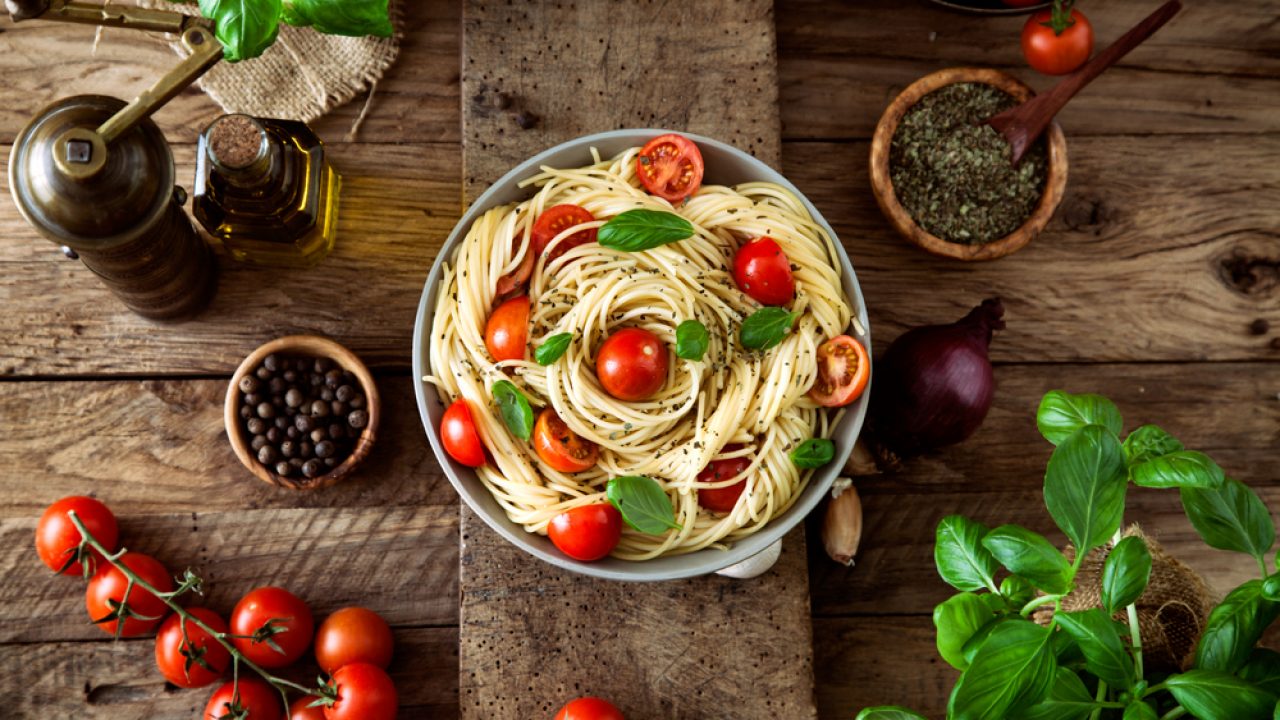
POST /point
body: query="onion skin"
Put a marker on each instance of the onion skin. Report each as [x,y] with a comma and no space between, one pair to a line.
[934,385]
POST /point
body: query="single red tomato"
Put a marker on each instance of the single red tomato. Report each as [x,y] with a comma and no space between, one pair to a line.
[458,433]
[843,371]
[586,532]
[560,447]
[182,669]
[507,332]
[57,539]
[670,166]
[1056,45]
[353,635]
[632,364]
[289,617]
[555,220]
[106,591]
[725,498]
[365,692]
[301,709]
[762,271]
[589,708]
[249,698]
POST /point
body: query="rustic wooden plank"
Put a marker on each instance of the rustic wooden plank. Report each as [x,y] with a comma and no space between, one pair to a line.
[102,679]
[1207,71]
[400,561]
[885,660]
[416,101]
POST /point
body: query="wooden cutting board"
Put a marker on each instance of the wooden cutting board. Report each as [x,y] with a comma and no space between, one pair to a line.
[533,636]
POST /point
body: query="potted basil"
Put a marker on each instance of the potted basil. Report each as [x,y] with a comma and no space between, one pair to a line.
[246,28]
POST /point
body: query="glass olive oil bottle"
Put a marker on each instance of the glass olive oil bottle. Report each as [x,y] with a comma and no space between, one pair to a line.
[266,189]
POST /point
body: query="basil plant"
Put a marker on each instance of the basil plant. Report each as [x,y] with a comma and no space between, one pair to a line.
[1087,665]
[246,28]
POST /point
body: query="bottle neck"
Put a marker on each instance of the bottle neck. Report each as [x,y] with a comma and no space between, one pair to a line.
[240,150]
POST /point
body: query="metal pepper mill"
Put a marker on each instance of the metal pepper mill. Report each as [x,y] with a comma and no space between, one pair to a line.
[96,176]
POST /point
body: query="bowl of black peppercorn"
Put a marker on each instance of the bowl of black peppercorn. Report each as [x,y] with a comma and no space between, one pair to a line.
[302,412]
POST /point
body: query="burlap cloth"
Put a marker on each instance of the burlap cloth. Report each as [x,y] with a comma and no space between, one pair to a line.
[1171,612]
[302,76]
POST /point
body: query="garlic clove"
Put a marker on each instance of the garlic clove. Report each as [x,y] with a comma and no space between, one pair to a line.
[842,526]
[755,565]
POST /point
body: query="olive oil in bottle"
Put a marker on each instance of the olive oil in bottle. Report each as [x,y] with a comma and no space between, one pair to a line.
[266,189]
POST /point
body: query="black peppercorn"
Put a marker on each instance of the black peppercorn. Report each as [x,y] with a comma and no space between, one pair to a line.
[319,434]
[256,426]
[322,365]
[282,422]
[288,448]
[330,462]
[358,419]
[271,362]
[267,454]
[266,410]
[296,462]
[248,384]
[339,408]
[319,408]
[291,432]
[344,393]
[278,401]
[290,376]
[304,423]
[357,402]
[337,431]
[258,442]
[284,468]
[324,449]
[333,379]
[326,395]
[312,468]
[263,373]
[315,380]
[302,365]
[277,385]
[306,449]
[275,435]
[252,399]
[246,412]
[293,398]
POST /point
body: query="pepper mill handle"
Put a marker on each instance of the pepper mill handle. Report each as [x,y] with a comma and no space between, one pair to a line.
[26,9]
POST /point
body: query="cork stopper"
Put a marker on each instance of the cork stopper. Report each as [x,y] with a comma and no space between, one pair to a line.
[236,142]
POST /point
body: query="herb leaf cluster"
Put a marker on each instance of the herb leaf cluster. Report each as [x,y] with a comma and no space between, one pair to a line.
[246,28]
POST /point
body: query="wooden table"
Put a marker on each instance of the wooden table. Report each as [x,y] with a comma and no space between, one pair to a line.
[1157,284]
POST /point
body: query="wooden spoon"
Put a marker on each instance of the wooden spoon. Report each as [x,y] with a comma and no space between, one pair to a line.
[1022,124]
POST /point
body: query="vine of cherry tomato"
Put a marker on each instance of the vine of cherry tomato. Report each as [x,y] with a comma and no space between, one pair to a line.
[177,659]
[57,539]
[106,592]
[285,612]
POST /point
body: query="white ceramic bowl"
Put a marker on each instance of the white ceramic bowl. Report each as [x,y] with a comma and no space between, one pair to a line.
[725,165]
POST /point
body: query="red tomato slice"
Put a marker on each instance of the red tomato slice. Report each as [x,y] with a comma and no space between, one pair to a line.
[723,499]
[586,532]
[632,364]
[560,447]
[843,370]
[507,332]
[670,166]
[555,220]
[458,433]
[762,271]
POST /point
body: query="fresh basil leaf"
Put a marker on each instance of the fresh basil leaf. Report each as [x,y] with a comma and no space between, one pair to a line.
[957,620]
[1061,414]
[246,28]
[1028,555]
[643,503]
[692,340]
[766,327]
[813,453]
[1263,669]
[340,17]
[1099,639]
[1271,588]
[1138,710]
[888,712]
[1068,699]
[1084,486]
[1214,695]
[1013,670]
[1184,468]
[975,643]
[552,348]
[514,408]
[1017,591]
[1149,442]
[1231,517]
[1125,573]
[1234,628]
[961,559]
[640,229]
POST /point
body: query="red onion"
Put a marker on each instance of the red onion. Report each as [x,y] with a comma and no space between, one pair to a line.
[934,385]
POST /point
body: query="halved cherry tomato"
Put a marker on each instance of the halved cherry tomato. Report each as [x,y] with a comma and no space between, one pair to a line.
[507,332]
[843,370]
[106,591]
[288,614]
[301,709]
[1057,51]
[365,692]
[762,271]
[514,280]
[57,538]
[632,364]
[670,166]
[256,700]
[458,433]
[184,670]
[589,708]
[555,220]
[560,447]
[723,499]
[353,635]
[586,532]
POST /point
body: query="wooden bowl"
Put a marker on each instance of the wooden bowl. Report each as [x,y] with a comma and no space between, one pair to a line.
[305,346]
[882,186]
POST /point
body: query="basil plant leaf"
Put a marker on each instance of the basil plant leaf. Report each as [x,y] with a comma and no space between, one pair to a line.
[355,18]
[1125,573]
[1099,639]
[961,559]
[246,28]
[1029,555]
[957,620]
[553,348]
[1138,710]
[1263,669]
[643,503]
[1271,588]
[1068,699]
[1084,486]
[1061,414]
[1013,670]
[975,643]
[1184,468]
[514,408]
[1234,628]
[1017,591]
[642,229]
[813,453]
[766,327]
[888,712]
[1149,442]
[1231,517]
[692,340]
[1214,695]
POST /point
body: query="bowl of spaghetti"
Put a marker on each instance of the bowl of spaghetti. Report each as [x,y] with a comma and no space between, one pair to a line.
[716,373]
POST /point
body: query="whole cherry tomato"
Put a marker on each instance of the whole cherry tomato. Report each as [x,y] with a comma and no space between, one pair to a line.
[507,332]
[290,619]
[670,166]
[57,539]
[586,532]
[763,272]
[632,364]
[1056,42]
[301,709]
[589,708]
[458,433]
[560,447]
[249,697]
[182,669]
[555,220]
[106,591]
[725,498]
[365,692]
[353,635]
[843,371]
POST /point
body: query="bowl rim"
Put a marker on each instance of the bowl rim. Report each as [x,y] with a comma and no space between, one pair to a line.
[314,346]
[664,568]
[882,183]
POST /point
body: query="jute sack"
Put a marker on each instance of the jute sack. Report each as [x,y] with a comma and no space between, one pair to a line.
[1171,612]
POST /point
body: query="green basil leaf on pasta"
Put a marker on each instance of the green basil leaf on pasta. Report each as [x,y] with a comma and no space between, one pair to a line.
[552,348]
[514,408]
[340,17]
[766,327]
[643,503]
[640,229]
[813,453]
[692,340]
